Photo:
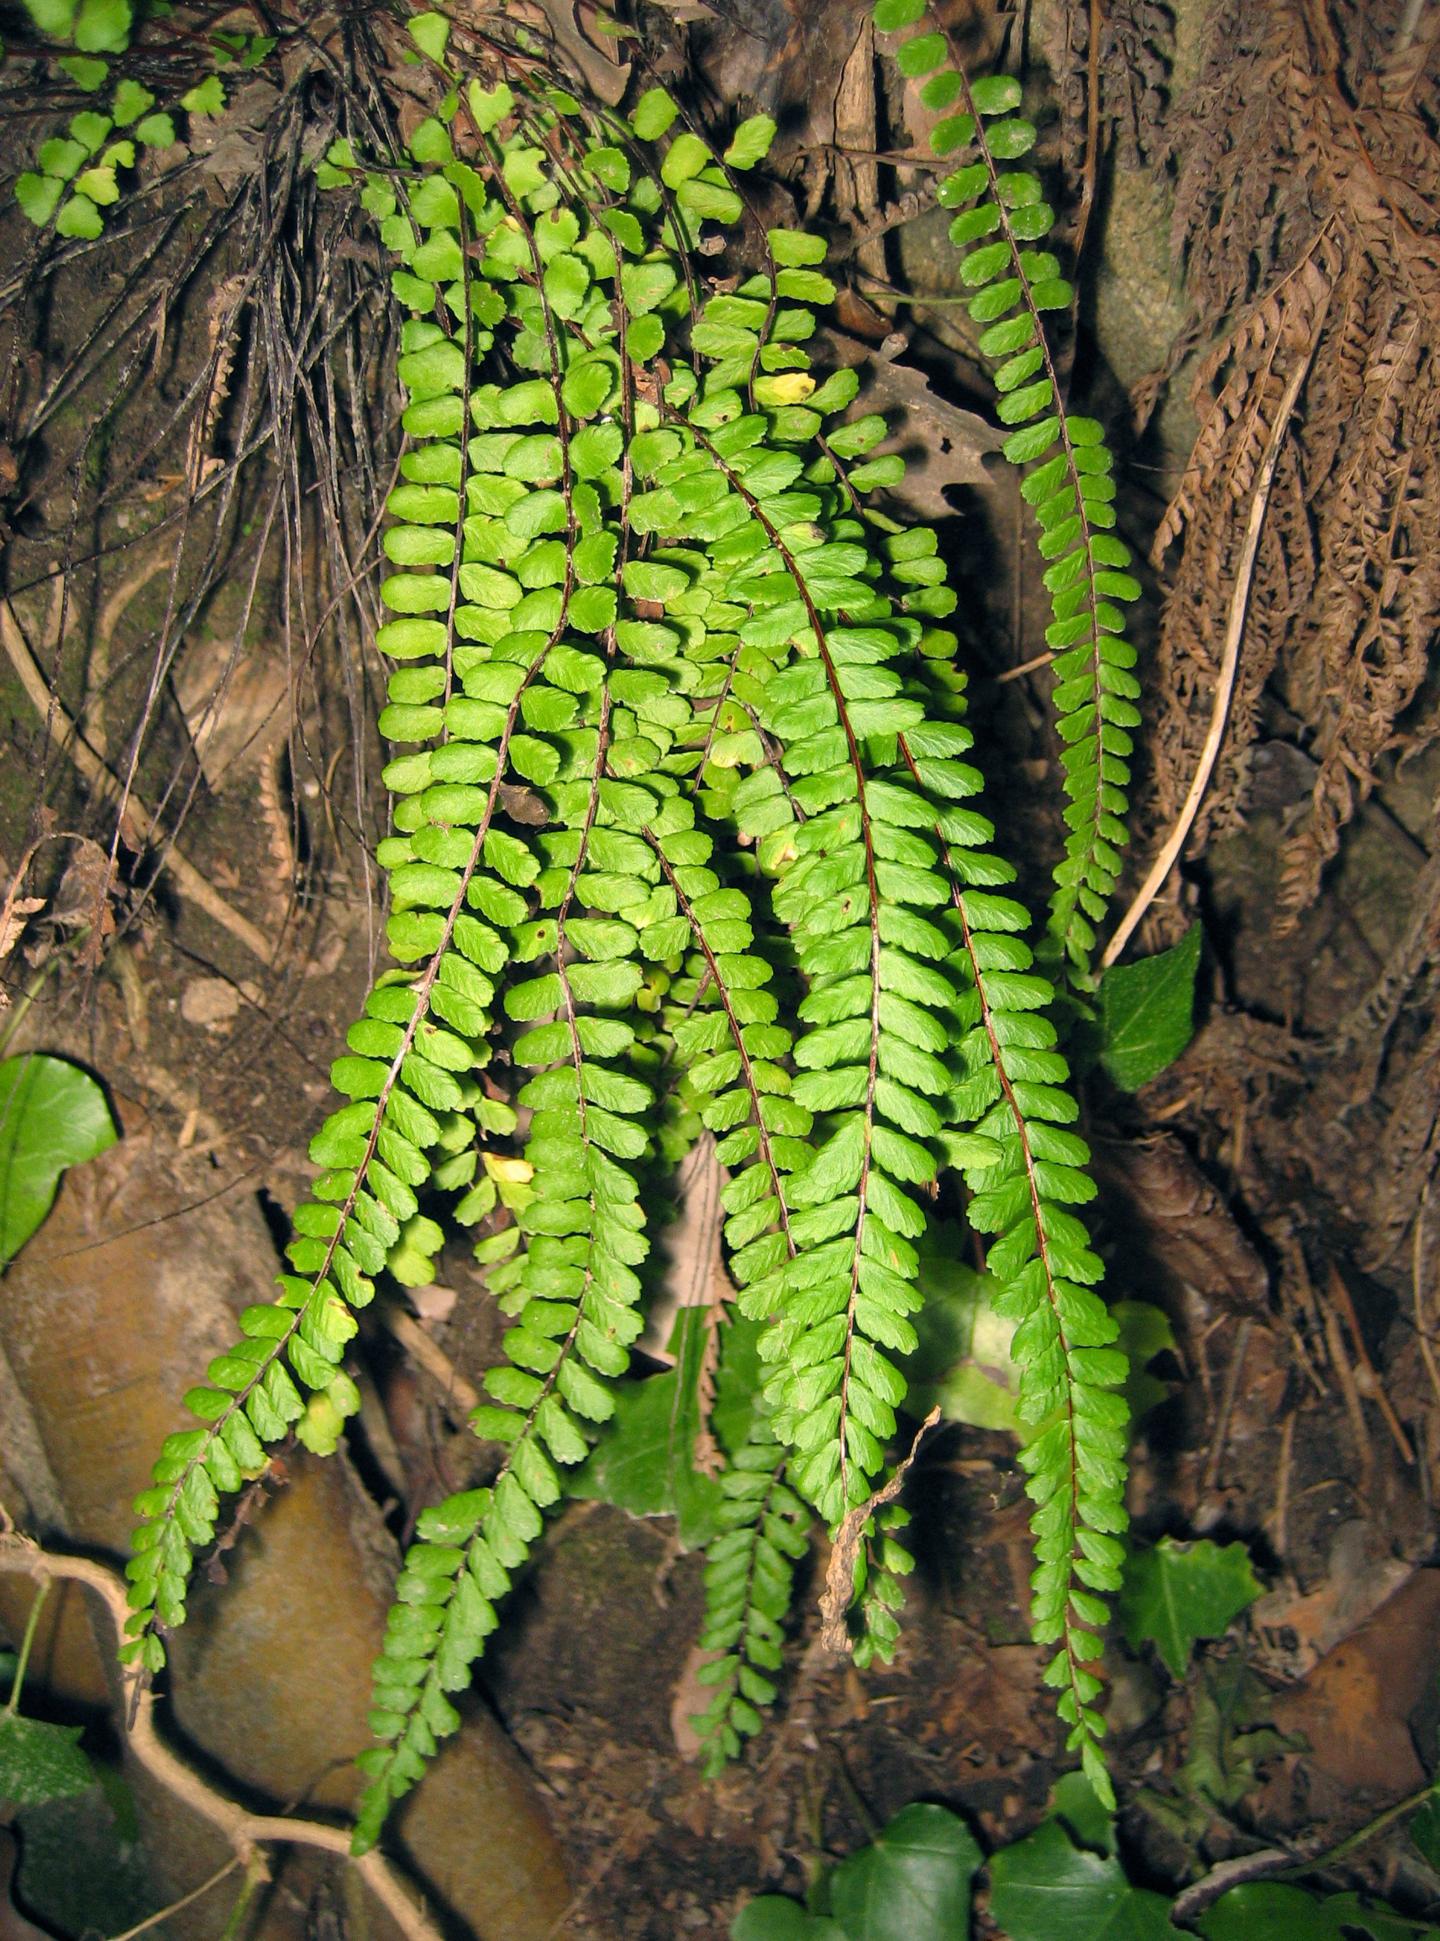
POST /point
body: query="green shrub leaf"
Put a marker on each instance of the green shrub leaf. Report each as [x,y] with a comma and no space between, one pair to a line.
[52,1116]
[1147,1012]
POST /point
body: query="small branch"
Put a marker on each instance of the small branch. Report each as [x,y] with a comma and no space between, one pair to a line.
[1270,1861]
[186,1900]
[187,878]
[244,1831]
[1230,1873]
[1229,667]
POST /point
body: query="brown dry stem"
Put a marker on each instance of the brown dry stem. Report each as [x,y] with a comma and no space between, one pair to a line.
[246,1832]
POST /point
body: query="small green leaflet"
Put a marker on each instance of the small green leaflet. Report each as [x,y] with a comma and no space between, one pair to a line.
[1147,1012]
[1045,1887]
[52,1115]
[1176,1593]
[55,17]
[207,97]
[430,32]
[41,1762]
[103,26]
[751,142]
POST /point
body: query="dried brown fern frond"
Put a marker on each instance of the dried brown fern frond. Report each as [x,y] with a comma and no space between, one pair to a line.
[1307,202]
[1247,376]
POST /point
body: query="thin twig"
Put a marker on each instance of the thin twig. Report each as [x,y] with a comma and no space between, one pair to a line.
[1240,1868]
[1035,662]
[1417,1283]
[1271,1861]
[245,1831]
[186,1900]
[1372,1387]
[1229,666]
[188,879]
[1211,1477]
[840,1575]
[423,1347]
[1409,24]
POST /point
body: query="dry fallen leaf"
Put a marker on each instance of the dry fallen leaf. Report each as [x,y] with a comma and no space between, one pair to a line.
[1354,1709]
[576,29]
[12,920]
[942,443]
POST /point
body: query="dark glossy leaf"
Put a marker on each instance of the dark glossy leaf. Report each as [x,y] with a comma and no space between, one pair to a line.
[912,1884]
[41,1762]
[1274,1911]
[1045,1887]
[774,1918]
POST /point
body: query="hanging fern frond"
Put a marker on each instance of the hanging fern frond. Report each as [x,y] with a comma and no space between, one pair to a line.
[1002,215]
[684,833]
[749,1575]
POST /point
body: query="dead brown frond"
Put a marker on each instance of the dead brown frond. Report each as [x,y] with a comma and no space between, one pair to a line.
[1307,199]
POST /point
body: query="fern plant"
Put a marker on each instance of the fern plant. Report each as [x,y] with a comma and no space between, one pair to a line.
[684,810]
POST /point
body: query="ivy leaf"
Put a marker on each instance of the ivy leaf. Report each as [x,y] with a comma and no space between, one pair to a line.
[1045,1886]
[41,1762]
[913,1881]
[1176,1593]
[1087,1819]
[963,1358]
[1147,1012]
[774,1918]
[52,1115]
[1273,1911]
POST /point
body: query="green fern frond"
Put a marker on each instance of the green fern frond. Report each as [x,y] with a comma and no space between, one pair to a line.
[882,1567]
[733,1048]
[749,1579]
[1001,215]
[683,798]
